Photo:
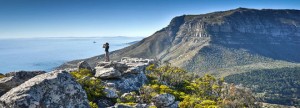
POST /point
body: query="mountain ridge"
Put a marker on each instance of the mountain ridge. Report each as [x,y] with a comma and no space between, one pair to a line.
[218,40]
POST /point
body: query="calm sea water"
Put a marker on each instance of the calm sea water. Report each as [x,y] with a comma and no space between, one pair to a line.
[48,53]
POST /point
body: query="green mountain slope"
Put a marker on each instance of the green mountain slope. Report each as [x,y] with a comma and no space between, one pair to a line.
[280,85]
[226,40]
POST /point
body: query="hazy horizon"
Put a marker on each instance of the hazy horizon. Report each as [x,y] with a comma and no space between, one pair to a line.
[70,37]
[79,18]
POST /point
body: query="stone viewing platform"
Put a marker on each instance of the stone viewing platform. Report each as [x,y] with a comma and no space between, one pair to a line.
[114,69]
[125,75]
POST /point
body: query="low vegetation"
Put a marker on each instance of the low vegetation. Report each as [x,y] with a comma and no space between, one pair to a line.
[191,90]
[92,86]
[277,86]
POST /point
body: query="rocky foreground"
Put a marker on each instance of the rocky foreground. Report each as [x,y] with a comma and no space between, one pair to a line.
[58,89]
[128,83]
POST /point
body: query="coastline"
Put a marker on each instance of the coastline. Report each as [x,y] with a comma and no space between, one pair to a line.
[46,54]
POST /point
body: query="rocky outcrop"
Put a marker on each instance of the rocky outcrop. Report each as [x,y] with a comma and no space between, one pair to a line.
[165,101]
[128,83]
[126,75]
[107,73]
[84,65]
[14,79]
[50,90]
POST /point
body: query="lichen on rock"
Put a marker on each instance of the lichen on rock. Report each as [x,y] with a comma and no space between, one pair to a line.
[50,90]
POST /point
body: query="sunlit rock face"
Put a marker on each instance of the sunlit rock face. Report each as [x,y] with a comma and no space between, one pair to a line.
[13,79]
[50,90]
[124,76]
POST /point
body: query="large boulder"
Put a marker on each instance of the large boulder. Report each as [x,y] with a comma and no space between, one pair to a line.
[14,79]
[128,82]
[126,65]
[126,75]
[84,65]
[57,89]
[107,73]
[163,100]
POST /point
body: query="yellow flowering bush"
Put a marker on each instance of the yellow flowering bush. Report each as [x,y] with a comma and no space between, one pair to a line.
[92,86]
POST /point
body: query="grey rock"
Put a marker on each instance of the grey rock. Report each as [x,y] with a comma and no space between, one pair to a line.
[141,105]
[14,79]
[104,103]
[120,66]
[102,63]
[128,82]
[124,76]
[24,74]
[50,90]
[107,73]
[136,60]
[110,93]
[122,106]
[173,105]
[70,69]
[110,85]
[84,65]
[108,64]
[136,68]
[163,100]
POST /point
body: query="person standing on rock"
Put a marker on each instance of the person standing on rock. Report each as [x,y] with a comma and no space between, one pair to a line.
[106,46]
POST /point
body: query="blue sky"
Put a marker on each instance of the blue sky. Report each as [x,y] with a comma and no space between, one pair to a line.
[79,18]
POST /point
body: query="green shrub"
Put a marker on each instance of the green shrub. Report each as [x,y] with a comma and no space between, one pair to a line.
[191,90]
[93,105]
[167,75]
[129,98]
[92,86]
[82,73]
[129,103]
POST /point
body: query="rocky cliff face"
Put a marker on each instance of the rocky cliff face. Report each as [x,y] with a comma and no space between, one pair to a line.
[221,40]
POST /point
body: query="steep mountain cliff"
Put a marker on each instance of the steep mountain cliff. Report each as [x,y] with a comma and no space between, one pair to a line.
[222,42]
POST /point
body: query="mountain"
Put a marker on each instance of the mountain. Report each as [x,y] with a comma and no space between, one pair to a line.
[222,43]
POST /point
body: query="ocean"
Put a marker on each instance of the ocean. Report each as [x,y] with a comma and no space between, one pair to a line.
[47,53]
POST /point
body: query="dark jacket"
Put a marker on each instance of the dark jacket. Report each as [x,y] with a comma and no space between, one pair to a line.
[106,48]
